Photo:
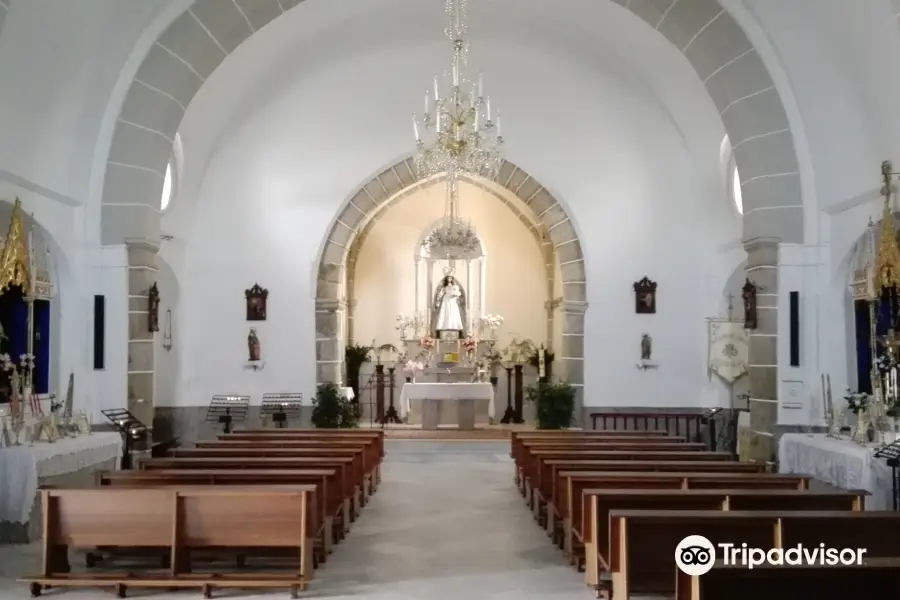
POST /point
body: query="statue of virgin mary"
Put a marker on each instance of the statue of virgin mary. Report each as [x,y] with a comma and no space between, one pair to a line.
[449,307]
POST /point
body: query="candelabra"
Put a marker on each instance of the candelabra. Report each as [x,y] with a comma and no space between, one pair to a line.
[458,132]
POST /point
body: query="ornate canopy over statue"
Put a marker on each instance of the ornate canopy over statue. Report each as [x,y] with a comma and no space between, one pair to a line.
[450,284]
[449,307]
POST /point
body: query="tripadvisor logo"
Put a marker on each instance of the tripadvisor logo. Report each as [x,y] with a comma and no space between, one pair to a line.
[696,555]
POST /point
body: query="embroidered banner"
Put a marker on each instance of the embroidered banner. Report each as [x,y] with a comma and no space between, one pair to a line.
[728,349]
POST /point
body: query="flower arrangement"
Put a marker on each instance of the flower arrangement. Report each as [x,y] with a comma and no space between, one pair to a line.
[856,401]
[492,322]
[25,363]
[403,322]
[412,367]
[884,362]
[428,342]
[469,344]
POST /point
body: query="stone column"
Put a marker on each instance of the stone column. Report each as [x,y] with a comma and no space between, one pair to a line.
[569,364]
[470,316]
[762,270]
[552,306]
[429,302]
[141,276]
[329,340]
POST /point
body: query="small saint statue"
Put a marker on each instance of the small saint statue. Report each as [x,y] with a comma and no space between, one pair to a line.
[153,309]
[646,346]
[253,344]
[449,303]
[748,293]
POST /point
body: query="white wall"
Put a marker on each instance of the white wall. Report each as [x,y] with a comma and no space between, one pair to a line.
[515,280]
[167,363]
[64,97]
[613,157]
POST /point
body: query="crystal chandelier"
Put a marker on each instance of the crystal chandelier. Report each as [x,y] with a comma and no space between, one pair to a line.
[461,135]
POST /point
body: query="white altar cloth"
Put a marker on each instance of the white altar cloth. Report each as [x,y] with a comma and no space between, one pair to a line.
[446,391]
[346,392]
[22,466]
[839,462]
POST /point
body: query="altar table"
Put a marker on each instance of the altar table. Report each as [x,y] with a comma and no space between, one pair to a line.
[465,394]
[69,461]
[840,462]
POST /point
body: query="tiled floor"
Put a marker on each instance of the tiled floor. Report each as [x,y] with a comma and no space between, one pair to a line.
[447,523]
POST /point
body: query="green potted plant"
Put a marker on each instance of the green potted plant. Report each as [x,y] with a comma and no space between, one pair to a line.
[355,356]
[554,403]
[331,410]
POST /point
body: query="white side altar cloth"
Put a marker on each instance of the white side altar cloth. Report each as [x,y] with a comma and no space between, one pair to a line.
[22,466]
[446,391]
[346,392]
[839,462]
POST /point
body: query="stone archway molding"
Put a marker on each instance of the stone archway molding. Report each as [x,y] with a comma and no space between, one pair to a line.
[193,46]
[516,205]
[380,191]
[198,40]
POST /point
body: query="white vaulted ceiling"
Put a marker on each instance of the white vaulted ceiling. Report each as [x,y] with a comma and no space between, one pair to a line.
[200,39]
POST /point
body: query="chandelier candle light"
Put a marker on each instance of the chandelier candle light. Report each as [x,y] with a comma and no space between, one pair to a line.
[458,133]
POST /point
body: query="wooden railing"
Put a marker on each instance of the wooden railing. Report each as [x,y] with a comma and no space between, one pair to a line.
[690,425]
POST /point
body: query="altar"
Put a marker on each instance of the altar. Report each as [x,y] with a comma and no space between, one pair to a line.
[66,462]
[434,404]
[840,462]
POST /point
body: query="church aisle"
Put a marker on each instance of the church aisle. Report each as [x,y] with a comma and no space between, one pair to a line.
[447,523]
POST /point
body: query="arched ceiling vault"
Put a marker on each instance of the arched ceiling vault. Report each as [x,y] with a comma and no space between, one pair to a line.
[201,38]
[535,207]
[516,191]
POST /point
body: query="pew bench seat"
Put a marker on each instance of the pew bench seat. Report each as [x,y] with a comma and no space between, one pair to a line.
[642,542]
[875,578]
[565,511]
[181,520]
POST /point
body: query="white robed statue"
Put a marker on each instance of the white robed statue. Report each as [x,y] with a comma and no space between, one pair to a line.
[449,307]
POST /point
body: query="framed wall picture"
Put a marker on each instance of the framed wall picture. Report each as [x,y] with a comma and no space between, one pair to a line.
[256,303]
[645,296]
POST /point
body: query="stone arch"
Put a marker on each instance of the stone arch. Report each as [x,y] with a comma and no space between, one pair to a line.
[191,48]
[540,211]
[198,40]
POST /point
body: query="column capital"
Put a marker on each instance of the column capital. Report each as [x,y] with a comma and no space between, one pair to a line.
[330,304]
[553,304]
[576,308]
[140,243]
[758,243]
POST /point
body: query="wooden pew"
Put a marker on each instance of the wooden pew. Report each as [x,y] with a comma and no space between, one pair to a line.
[349,467]
[333,500]
[270,436]
[598,504]
[519,438]
[566,506]
[369,447]
[523,450]
[300,434]
[642,543]
[182,520]
[540,475]
[367,463]
[875,578]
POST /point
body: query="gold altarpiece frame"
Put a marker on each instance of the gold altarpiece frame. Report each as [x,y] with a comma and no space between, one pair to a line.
[21,266]
[879,275]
